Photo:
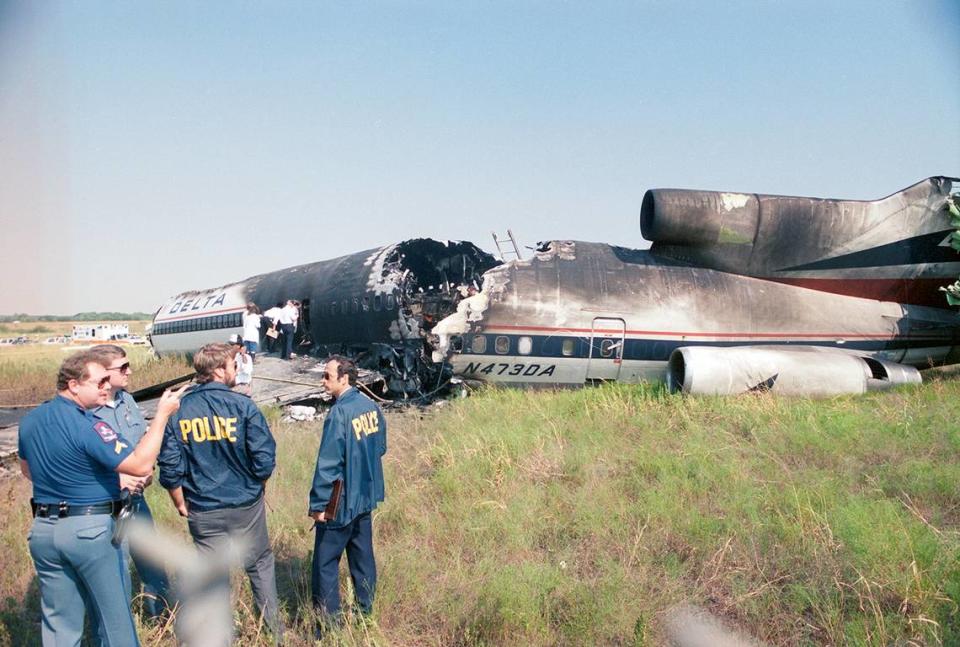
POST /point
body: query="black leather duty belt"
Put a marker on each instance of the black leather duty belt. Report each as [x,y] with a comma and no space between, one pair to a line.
[63,509]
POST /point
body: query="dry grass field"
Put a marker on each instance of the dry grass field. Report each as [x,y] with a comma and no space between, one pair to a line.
[28,371]
[583,517]
[40,330]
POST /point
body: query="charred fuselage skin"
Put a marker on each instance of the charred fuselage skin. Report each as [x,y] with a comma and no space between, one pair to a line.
[579,311]
[378,303]
[773,283]
[642,308]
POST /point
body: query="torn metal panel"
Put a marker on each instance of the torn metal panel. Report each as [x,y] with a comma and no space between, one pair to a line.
[563,249]
[377,306]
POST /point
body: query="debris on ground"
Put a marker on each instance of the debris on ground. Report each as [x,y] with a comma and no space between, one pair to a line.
[301,413]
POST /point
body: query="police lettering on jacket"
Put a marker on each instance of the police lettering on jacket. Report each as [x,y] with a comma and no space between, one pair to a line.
[366,424]
[200,430]
[353,444]
[218,448]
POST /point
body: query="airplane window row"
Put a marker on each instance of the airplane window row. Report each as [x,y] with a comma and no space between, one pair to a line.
[357,305]
[202,323]
[501,345]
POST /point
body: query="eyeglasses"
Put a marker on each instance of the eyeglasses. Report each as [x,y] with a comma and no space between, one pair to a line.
[123,368]
[329,376]
[101,383]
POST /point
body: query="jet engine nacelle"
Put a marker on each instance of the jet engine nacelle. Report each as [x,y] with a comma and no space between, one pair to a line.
[809,371]
[699,218]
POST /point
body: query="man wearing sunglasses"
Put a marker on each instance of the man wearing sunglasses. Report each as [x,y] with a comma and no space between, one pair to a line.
[73,459]
[123,415]
[353,444]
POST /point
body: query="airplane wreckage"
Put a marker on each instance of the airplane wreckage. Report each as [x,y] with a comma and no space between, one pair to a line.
[739,292]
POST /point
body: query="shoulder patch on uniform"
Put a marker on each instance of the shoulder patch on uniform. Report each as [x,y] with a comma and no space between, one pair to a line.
[105,431]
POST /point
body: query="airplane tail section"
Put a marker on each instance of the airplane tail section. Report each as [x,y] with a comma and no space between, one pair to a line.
[893,249]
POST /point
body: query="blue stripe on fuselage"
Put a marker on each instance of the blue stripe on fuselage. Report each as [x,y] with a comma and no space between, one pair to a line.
[644,349]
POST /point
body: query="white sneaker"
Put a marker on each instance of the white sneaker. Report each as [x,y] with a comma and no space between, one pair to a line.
[293,354]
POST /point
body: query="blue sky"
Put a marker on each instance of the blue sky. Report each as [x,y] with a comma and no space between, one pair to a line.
[149,148]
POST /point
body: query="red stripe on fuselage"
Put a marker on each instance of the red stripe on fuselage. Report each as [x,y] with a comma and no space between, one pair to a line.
[920,292]
[786,336]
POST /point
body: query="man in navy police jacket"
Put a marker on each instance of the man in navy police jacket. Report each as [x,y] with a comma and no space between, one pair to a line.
[354,440]
[217,455]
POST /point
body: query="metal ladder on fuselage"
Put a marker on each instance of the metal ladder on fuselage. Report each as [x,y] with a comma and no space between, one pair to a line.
[513,241]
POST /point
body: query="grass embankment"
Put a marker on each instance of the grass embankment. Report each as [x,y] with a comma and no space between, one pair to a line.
[28,372]
[579,518]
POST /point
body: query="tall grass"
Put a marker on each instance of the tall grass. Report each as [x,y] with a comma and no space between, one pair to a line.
[28,374]
[582,517]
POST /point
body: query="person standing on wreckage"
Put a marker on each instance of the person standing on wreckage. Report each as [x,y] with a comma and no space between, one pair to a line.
[353,444]
[288,328]
[272,317]
[251,330]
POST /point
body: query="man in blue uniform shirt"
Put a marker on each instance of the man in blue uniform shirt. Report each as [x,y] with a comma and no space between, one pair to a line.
[354,441]
[123,415]
[217,455]
[72,458]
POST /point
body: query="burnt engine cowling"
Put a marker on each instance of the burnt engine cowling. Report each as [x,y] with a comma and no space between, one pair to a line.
[768,235]
[809,371]
[683,217]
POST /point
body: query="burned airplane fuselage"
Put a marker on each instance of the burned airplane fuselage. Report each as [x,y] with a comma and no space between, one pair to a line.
[377,305]
[838,296]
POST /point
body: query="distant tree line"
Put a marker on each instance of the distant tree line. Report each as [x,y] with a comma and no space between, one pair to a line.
[80,316]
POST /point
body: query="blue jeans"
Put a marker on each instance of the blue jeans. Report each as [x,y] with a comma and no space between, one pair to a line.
[251,347]
[286,330]
[80,569]
[357,539]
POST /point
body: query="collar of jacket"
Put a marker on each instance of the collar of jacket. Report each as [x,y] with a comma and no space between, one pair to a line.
[209,386]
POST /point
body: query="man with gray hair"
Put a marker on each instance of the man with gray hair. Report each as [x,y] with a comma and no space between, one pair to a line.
[123,415]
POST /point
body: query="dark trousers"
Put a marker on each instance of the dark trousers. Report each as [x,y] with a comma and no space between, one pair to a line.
[286,330]
[211,528]
[270,343]
[357,538]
